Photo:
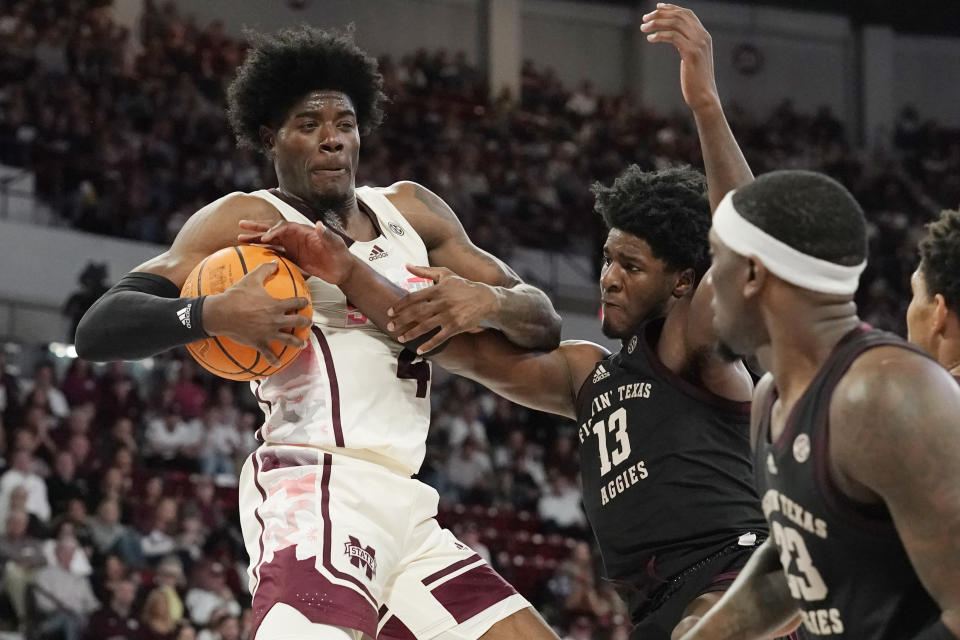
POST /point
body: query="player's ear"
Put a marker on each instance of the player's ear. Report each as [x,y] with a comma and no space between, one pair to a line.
[268,139]
[686,281]
[940,314]
[757,275]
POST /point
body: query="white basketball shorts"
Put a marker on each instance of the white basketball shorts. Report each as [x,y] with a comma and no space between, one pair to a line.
[351,543]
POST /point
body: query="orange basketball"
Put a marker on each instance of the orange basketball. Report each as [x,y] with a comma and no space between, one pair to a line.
[220,355]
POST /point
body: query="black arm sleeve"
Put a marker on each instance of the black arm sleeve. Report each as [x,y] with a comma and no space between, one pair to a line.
[141,316]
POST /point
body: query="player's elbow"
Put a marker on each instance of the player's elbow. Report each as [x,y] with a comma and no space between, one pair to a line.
[552,331]
[86,340]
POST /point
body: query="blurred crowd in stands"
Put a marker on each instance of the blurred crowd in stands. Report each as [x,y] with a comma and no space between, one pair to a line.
[118,486]
[126,135]
[118,498]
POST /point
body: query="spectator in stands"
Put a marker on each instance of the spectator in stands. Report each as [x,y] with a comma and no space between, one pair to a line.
[559,507]
[170,442]
[93,284]
[160,539]
[170,580]
[82,451]
[78,421]
[220,444]
[76,518]
[120,398]
[80,386]
[223,627]
[43,392]
[20,475]
[204,501]
[192,537]
[20,556]
[9,393]
[469,471]
[211,597]
[64,598]
[186,393]
[110,535]
[156,623]
[115,620]
[469,535]
[581,628]
[186,631]
[466,423]
[64,484]
[108,570]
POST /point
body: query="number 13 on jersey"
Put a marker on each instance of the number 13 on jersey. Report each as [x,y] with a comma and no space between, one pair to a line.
[616,424]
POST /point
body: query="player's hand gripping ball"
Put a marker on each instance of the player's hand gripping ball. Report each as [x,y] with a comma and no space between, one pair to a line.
[222,356]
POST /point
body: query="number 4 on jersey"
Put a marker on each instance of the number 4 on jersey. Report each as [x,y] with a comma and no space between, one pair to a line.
[407,369]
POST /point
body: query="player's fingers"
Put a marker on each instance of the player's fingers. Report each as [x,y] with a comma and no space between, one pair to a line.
[290,340]
[248,238]
[666,24]
[675,38]
[268,354]
[263,271]
[410,301]
[254,225]
[433,273]
[419,329]
[294,320]
[293,304]
[433,342]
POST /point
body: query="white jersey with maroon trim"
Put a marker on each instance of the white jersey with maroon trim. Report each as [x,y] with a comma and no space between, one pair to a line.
[353,387]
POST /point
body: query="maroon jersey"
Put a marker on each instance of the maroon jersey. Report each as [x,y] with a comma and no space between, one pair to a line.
[844,561]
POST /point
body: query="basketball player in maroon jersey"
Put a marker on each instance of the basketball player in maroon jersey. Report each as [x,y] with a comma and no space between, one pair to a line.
[856,433]
[933,317]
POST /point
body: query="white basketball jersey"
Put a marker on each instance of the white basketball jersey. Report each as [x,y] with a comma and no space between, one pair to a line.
[353,387]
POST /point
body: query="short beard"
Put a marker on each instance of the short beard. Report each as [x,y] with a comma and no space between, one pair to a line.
[330,204]
[607,329]
[726,352]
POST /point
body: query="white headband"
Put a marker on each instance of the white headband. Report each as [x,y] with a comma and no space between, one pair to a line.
[781,259]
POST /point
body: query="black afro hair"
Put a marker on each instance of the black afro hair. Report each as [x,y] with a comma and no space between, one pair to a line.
[668,209]
[282,67]
[940,258]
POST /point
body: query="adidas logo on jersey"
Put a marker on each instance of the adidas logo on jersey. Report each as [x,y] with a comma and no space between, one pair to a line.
[376,253]
[184,315]
[600,374]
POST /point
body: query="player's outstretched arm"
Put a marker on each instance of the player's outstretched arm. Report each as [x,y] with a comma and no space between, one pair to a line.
[138,317]
[726,169]
[543,380]
[757,606]
[481,292]
[896,436]
[722,159]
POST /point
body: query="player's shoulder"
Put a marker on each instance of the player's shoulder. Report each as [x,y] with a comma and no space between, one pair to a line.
[584,349]
[240,206]
[889,386]
[581,358]
[884,374]
[412,198]
[430,216]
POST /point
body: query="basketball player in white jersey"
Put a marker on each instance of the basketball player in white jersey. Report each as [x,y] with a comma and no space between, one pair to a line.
[342,541]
